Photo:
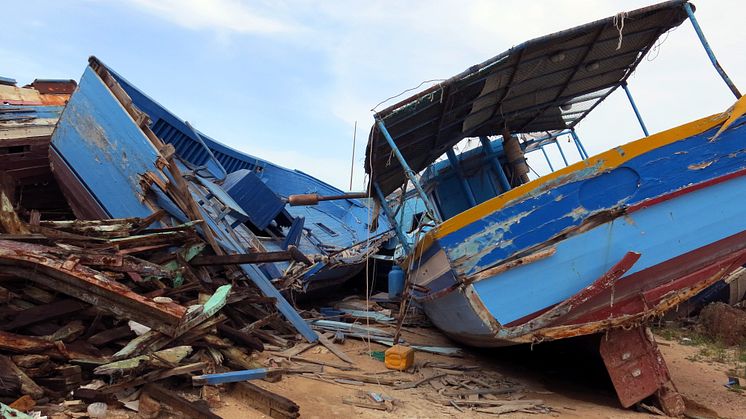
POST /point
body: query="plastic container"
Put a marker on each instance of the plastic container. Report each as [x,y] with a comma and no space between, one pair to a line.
[399,357]
[396,282]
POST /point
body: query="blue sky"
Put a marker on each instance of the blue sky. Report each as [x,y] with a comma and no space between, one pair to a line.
[286,80]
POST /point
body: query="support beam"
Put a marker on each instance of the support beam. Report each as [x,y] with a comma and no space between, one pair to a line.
[455,164]
[579,145]
[710,54]
[490,153]
[397,228]
[562,153]
[546,157]
[634,108]
[411,175]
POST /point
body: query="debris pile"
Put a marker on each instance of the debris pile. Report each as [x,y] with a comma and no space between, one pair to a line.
[99,308]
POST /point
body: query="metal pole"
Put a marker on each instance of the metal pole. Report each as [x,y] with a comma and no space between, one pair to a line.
[397,228]
[464,183]
[706,45]
[547,158]
[579,145]
[634,108]
[490,153]
[562,153]
[411,175]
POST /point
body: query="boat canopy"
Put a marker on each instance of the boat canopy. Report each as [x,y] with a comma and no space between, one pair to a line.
[548,83]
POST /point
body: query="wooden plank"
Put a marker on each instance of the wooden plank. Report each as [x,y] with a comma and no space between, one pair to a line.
[267,402]
[44,312]
[335,349]
[197,410]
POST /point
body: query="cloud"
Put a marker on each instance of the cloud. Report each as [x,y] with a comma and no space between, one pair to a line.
[219,15]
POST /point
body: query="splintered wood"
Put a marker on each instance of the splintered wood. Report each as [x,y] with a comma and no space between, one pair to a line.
[100,308]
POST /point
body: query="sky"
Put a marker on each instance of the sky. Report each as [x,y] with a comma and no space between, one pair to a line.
[287,80]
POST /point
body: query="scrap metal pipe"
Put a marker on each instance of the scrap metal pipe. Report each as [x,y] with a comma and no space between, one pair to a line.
[314,198]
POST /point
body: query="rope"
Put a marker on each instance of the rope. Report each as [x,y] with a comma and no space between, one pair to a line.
[619,25]
[405,91]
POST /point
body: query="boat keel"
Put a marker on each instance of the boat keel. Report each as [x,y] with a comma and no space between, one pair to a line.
[638,370]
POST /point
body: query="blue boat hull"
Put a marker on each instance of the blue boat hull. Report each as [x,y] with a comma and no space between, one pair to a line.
[539,267]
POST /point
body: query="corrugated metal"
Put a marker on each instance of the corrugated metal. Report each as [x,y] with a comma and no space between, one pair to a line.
[548,83]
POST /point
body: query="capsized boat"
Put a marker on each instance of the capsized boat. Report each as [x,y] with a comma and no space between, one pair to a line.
[601,245]
[334,235]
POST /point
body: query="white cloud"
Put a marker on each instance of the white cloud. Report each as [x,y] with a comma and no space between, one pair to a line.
[219,15]
[372,50]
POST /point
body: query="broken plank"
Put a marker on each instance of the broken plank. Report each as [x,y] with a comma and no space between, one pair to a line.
[267,402]
[370,379]
[178,403]
[153,376]
[27,385]
[110,335]
[364,404]
[419,382]
[491,390]
[333,348]
[44,312]
[257,257]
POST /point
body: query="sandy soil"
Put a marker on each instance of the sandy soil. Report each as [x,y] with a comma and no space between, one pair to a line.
[573,392]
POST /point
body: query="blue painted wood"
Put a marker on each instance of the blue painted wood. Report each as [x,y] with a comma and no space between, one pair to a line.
[231,377]
[547,212]
[108,152]
[260,203]
[659,233]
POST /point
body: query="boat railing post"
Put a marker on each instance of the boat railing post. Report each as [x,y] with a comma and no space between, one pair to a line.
[390,216]
[490,153]
[562,153]
[411,175]
[710,54]
[455,164]
[547,158]
[634,108]
[578,144]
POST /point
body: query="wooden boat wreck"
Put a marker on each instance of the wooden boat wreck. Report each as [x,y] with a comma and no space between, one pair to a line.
[105,162]
[602,245]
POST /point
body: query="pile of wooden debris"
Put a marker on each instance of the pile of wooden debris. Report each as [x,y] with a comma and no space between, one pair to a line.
[91,311]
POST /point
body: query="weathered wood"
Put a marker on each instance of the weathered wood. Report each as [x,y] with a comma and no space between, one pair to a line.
[198,409]
[44,312]
[109,335]
[365,405]
[335,349]
[9,221]
[492,390]
[267,402]
[370,379]
[10,383]
[162,359]
[239,336]
[419,382]
[258,257]
[152,377]
[28,386]
[23,344]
